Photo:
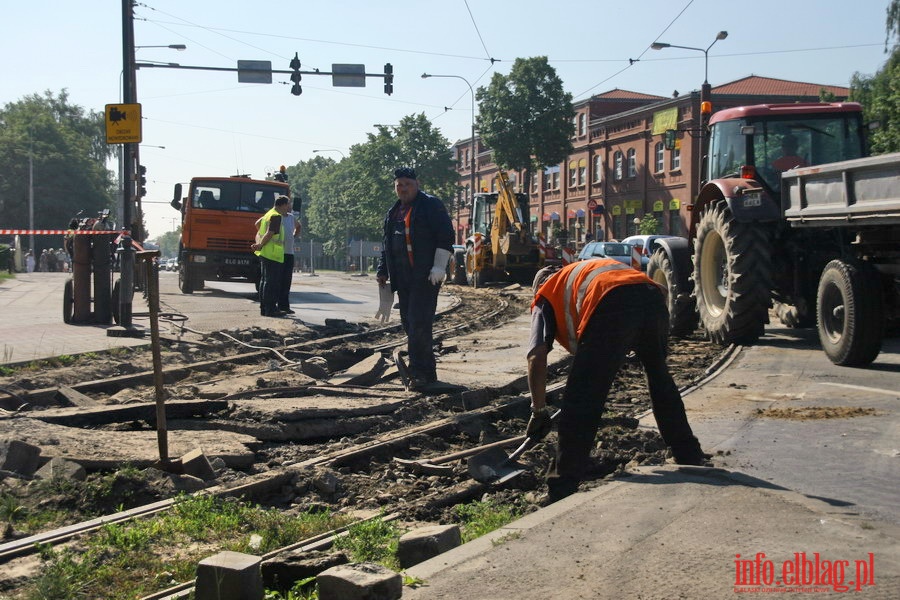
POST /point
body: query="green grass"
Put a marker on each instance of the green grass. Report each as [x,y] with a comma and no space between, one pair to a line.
[374,540]
[480,518]
[128,560]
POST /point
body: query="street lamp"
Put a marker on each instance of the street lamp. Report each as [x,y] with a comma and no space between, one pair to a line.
[705,93]
[178,47]
[472,92]
[331,150]
[719,36]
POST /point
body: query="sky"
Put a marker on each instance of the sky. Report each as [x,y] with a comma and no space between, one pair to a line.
[206,123]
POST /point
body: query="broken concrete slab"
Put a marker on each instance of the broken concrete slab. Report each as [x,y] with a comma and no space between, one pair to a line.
[359,581]
[195,463]
[19,457]
[427,542]
[60,468]
[283,571]
[229,576]
[365,372]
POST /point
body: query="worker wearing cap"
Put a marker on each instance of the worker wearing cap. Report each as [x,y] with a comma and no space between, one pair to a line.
[599,310]
[418,240]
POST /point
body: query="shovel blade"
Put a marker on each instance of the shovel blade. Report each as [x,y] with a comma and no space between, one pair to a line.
[492,465]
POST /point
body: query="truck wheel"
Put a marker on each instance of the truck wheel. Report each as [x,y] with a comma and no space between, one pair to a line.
[732,276]
[683,316]
[459,266]
[473,277]
[68,301]
[850,313]
[185,281]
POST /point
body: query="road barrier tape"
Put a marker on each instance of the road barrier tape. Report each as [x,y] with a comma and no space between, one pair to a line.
[58,232]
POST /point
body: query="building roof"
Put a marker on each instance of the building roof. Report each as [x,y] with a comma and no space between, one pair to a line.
[754,85]
[617,94]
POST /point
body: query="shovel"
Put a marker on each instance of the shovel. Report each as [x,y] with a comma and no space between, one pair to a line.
[495,466]
[436,465]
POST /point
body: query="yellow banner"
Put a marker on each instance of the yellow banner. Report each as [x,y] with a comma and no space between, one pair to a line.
[665,119]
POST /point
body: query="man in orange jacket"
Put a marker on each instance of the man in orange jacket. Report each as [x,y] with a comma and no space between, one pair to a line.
[599,310]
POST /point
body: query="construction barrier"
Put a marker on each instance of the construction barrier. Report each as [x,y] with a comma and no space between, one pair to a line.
[636,252]
[568,256]
[57,232]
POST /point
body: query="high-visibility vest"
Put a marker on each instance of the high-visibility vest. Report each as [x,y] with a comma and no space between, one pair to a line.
[575,292]
[274,248]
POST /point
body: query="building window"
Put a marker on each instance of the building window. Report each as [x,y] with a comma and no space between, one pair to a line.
[582,171]
[632,162]
[535,180]
[618,165]
[555,171]
[598,168]
[582,121]
[659,154]
[675,159]
[573,173]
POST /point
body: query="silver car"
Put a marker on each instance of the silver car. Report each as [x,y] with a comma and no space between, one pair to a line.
[615,250]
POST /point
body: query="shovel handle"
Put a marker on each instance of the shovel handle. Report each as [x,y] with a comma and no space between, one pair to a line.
[529,441]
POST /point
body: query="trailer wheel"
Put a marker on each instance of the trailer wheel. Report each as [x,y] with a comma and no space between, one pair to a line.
[185,280]
[683,317]
[473,277]
[732,276]
[68,301]
[850,313]
[458,262]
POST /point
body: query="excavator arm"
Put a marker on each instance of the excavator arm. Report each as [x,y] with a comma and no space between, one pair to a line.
[505,217]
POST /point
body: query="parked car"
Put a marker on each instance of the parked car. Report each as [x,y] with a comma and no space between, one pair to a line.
[647,244]
[172,264]
[616,250]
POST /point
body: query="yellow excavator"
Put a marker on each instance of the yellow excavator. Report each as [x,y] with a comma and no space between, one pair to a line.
[501,245]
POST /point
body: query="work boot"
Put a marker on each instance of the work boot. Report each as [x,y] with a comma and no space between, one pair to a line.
[560,487]
[689,452]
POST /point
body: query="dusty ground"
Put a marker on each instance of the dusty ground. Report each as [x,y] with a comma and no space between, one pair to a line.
[378,483]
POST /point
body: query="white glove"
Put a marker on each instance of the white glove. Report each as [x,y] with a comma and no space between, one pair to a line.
[385,303]
[439,270]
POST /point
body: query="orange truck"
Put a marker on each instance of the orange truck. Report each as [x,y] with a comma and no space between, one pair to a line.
[218,225]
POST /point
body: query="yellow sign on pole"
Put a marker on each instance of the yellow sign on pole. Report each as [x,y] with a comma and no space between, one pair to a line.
[123,123]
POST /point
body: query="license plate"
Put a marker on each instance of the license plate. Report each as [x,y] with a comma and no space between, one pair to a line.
[752,200]
[237,261]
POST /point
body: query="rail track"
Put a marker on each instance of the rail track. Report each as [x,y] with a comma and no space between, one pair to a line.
[362,458]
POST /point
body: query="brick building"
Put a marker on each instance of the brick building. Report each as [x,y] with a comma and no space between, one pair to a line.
[619,170]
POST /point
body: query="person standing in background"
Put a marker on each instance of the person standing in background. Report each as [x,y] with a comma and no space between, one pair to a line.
[417,243]
[29,262]
[291,226]
[269,247]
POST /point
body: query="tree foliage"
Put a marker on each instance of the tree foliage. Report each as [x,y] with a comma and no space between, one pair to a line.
[348,200]
[68,150]
[526,117]
[879,94]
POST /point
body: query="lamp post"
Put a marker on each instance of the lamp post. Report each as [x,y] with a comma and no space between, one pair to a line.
[705,93]
[472,189]
[331,150]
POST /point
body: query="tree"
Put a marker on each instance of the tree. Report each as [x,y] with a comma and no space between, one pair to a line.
[879,94]
[68,152]
[525,118]
[348,200]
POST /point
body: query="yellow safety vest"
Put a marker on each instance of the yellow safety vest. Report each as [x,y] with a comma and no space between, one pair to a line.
[274,248]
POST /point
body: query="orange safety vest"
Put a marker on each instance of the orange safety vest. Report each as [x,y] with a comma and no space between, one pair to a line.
[575,292]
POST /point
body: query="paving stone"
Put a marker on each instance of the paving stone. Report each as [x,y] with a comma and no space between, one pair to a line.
[359,581]
[427,542]
[229,576]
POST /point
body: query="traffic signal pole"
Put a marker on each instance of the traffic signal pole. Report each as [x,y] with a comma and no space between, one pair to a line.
[129,168]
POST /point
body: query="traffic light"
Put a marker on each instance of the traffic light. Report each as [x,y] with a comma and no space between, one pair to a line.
[295,76]
[669,139]
[388,79]
[142,181]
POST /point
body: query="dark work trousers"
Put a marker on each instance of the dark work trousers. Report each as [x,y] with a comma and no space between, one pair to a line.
[287,274]
[418,303]
[631,317]
[269,286]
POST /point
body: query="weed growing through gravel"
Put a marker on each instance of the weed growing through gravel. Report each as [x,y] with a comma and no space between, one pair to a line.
[483,517]
[374,540]
[128,560]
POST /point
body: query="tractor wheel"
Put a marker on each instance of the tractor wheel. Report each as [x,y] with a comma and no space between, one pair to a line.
[850,313]
[732,276]
[683,316]
[68,301]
